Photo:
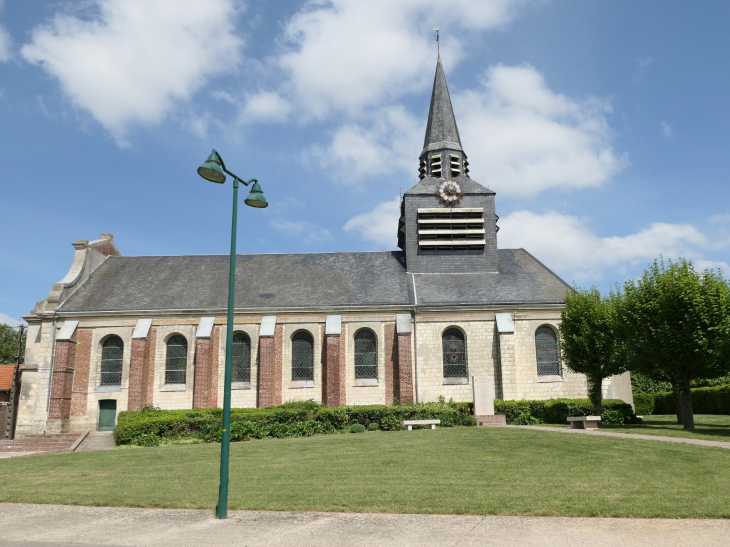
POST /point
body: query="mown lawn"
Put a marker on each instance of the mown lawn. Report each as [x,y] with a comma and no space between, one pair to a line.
[710,427]
[505,471]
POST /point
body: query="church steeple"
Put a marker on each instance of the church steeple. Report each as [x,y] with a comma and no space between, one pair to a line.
[441,131]
[442,154]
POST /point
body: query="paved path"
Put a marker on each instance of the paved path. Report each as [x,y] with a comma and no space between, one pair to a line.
[701,442]
[97,440]
[25,525]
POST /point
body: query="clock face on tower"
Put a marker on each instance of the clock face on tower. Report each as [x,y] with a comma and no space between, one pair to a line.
[450,192]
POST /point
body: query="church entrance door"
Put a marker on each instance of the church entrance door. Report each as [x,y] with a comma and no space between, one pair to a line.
[107,415]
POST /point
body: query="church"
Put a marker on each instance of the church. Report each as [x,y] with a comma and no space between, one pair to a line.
[122,332]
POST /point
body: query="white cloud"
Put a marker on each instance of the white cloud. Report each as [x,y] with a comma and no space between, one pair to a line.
[5,41]
[304,232]
[136,59]
[265,106]
[7,320]
[348,55]
[522,137]
[566,243]
[389,142]
[667,131]
[715,219]
[379,225]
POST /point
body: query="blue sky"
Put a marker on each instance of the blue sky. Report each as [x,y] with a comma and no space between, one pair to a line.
[602,126]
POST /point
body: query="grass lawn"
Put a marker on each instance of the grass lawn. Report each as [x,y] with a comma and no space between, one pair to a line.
[459,470]
[711,427]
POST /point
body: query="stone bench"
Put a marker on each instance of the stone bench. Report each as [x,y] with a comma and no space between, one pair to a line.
[408,424]
[584,422]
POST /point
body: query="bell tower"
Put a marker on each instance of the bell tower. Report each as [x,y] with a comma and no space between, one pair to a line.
[448,222]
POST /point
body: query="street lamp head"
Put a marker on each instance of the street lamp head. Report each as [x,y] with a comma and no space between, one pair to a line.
[256,197]
[211,169]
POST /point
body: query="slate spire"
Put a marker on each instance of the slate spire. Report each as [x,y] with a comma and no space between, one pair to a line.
[441,131]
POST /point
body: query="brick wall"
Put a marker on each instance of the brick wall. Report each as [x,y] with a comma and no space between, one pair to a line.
[334,371]
[81,373]
[405,368]
[62,378]
[148,383]
[202,381]
[137,361]
[269,367]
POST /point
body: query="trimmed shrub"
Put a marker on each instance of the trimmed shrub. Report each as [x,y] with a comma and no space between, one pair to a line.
[357,428]
[557,411]
[644,403]
[705,400]
[299,419]
[374,426]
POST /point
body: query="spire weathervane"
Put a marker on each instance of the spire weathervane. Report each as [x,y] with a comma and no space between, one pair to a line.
[438,47]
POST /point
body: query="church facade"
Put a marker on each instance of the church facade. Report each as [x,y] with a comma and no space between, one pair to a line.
[121,332]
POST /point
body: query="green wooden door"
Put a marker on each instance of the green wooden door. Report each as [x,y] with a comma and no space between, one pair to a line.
[107,415]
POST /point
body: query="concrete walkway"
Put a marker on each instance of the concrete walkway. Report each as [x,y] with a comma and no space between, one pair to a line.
[600,433]
[25,525]
[97,440]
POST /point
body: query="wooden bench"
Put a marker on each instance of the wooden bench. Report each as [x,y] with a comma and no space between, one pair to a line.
[408,424]
[584,422]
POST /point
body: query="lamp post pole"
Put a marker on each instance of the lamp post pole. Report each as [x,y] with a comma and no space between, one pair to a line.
[212,170]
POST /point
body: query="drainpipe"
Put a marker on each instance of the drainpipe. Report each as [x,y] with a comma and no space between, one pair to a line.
[415,336]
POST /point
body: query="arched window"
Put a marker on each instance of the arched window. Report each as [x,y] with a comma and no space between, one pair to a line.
[546,346]
[366,355]
[302,356]
[454,349]
[177,360]
[111,361]
[241,357]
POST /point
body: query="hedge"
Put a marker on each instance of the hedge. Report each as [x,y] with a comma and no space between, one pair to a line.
[705,400]
[150,426]
[557,411]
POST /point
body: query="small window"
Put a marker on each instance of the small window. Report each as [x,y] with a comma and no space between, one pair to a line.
[366,355]
[177,360]
[241,357]
[454,348]
[302,357]
[111,361]
[546,346]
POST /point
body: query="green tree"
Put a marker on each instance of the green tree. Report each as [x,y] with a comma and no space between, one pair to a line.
[676,325]
[589,342]
[9,343]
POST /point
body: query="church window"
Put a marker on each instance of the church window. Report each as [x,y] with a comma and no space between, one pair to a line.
[241,357]
[451,229]
[366,355]
[177,360]
[454,350]
[302,357]
[546,346]
[111,361]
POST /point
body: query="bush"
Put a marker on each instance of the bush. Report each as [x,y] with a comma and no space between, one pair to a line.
[296,419]
[644,403]
[556,411]
[619,416]
[374,426]
[357,428]
[705,400]
[147,439]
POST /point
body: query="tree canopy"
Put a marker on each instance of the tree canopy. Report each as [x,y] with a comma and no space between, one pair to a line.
[9,343]
[589,341]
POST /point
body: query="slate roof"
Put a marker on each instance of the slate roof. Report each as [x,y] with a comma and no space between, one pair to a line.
[316,280]
[428,185]
[441,130]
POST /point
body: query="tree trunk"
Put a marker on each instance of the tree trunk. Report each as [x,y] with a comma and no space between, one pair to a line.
[677,401]
[598,395]
[688,418]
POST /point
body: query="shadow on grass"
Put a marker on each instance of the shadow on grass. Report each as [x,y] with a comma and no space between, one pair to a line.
[705,425]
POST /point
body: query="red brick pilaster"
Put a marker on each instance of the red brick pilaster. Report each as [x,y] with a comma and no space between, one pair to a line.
[334,372]
[62,379]
[148,383]
[215,338]
[269,369]
[81,373]
[391,357]
[405,372]
[202,381]
[137,364]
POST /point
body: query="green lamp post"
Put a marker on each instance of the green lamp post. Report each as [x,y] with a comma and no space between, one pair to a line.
[213,170]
